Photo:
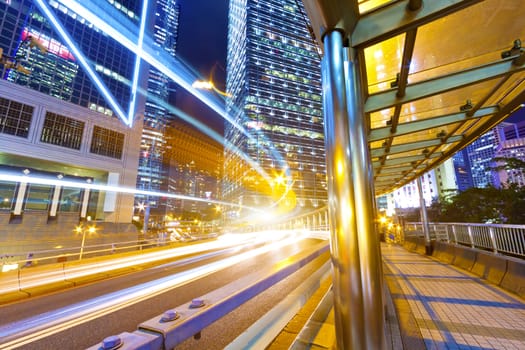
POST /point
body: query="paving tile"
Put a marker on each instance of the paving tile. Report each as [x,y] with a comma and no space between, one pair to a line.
[453,308]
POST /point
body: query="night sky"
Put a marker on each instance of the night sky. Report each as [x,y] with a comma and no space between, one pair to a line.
[203,27]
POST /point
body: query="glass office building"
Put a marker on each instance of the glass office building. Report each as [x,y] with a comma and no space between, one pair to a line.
[153,168]
[57,72]
[274,84]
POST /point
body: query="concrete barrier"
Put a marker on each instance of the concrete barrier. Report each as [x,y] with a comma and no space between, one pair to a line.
[410,243]
[420,246]
[490,266]
[444,252]
[514,279]
[464,257]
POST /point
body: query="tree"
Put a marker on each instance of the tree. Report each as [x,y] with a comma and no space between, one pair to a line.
[482,205]
[508,163]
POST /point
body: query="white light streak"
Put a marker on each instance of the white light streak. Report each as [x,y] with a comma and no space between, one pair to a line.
[82,60]
[107,188]
[43,325]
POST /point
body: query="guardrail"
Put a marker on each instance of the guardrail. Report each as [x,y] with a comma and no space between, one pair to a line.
[316,220]
[504,239]
[10,262]
[185,321]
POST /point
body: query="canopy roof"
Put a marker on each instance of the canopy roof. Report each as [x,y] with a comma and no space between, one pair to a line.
[437,74]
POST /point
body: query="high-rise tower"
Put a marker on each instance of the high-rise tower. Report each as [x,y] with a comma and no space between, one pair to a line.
[153,169]
[57,72]
[274,84]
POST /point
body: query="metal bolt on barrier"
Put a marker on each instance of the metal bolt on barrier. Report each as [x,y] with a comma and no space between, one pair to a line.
[196,303]
[111,342]
[170,315]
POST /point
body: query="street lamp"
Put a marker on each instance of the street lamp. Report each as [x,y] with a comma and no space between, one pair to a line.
[209,85]
[83,229]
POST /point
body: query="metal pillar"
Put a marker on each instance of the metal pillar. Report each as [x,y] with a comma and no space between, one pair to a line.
[424,218]
[344,245]
[362,176]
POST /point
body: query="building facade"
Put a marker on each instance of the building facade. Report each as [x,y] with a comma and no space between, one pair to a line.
[71,131]
[513,148]
[42,138]
[481,154]
[274,84]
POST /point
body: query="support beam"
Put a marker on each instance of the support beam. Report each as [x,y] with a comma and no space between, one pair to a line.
[411,146]
[424,217]
[424,124]
[362,178]
[348,298]
[432,87]
[397,18]
[405,160]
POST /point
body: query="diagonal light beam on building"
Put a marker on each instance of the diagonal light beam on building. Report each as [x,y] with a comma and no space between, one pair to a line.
[102,88]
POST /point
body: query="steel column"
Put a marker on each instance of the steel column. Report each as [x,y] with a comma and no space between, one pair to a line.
[344,245]
[424,217]
[362,176]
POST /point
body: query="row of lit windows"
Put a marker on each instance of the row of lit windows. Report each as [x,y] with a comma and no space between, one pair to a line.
[16,117]
[38,197]
[285,106]
[62,131]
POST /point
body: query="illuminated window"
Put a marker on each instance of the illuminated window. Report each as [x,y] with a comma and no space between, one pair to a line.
[38,197]
[7,195]
[15,118]
[107,142]
[62,131]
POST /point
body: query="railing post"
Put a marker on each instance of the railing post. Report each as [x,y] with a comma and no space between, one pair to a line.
[424,217]
[470,237]
[454,234]
[493,240]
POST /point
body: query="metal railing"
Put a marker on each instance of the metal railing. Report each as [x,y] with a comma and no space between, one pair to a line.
[503,239]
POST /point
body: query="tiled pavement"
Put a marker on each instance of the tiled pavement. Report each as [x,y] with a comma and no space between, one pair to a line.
[450,308]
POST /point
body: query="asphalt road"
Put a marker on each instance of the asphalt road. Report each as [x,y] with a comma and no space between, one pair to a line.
[93,330]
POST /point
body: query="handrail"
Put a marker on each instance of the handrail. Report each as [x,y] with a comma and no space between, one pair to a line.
[498,238]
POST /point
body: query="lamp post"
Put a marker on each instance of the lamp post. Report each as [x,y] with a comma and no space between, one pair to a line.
[83,229]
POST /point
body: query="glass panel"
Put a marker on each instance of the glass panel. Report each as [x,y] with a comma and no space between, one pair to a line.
[468,38]
[70,199]
[7,195]
[38,197]
[383,61]
[369,5]
[445,103]
[379,119]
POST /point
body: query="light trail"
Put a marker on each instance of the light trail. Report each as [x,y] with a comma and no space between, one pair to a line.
[102,88]
[43,325]
[136,71]
[11,283]
[101,14]
[55,182]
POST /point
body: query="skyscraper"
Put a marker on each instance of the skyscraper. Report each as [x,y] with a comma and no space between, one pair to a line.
[481,155]
[75,134]
[57,72]
[274,84]
[153,169]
